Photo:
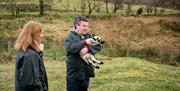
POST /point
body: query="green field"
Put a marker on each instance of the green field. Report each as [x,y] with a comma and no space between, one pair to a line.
[75,5]
[117,74]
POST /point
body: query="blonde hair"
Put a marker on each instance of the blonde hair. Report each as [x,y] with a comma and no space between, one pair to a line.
[28,37]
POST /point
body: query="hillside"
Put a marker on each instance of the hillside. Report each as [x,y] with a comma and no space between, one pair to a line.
[155,38]
[117,74]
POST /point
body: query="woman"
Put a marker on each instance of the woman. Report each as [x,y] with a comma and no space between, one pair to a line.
[30,70]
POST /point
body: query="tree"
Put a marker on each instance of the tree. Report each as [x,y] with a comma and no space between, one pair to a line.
[12,7]
[177,4]
[158,3]
[106,2]
[53,2]
[92,5]
[83,7]
[139,11]
[66,5]
[162,11]
[149,9]
[128,2]
[128,11]
[41,4]
[98,9]
[117,5]
[155,7]
[166,4]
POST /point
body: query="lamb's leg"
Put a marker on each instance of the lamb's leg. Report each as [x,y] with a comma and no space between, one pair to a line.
[87,58]
[95,60]
[91,61]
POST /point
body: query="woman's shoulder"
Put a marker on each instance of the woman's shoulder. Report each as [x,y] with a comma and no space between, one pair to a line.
[32,52]
[21,55]
[28,53]
[26,57]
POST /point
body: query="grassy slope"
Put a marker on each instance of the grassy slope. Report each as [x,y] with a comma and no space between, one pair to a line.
[118,74]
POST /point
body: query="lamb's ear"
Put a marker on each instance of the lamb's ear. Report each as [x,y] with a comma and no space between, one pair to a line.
[93,35]
[102,42]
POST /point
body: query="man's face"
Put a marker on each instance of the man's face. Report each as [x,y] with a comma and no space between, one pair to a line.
[82,28]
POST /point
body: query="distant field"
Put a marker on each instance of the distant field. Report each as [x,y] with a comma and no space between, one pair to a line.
[75,4]
[118,74]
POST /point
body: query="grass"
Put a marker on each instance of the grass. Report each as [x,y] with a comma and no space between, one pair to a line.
[118,74]
[131,74]
[60,52]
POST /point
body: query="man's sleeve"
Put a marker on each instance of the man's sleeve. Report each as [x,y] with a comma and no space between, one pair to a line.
[72,47]
[95,49]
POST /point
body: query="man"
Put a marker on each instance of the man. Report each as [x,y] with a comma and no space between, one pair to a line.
[78,71]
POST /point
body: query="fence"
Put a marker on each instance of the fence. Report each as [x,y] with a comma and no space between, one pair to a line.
[52,51]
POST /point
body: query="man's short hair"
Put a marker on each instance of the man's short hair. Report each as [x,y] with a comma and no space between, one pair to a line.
[79,19]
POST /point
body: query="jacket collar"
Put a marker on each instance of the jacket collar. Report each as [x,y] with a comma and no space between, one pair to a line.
[40,53]
[74,31]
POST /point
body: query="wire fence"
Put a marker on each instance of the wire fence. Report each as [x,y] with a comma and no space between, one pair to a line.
[52,51]
[55,51]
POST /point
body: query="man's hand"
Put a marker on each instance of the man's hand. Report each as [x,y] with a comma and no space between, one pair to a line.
[84,51]
[89,41]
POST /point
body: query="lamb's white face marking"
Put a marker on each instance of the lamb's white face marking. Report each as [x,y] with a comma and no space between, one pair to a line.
[98,39]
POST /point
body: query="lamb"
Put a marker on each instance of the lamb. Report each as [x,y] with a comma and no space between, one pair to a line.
[90,58]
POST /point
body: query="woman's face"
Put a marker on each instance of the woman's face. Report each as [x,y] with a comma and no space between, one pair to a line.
[40,37]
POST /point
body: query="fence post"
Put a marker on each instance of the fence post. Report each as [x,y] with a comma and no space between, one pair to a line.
[54,50]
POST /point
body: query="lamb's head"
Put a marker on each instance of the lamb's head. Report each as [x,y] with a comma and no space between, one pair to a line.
[98,39]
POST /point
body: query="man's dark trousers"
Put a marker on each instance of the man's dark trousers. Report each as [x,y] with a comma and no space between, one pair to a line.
[77,85]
